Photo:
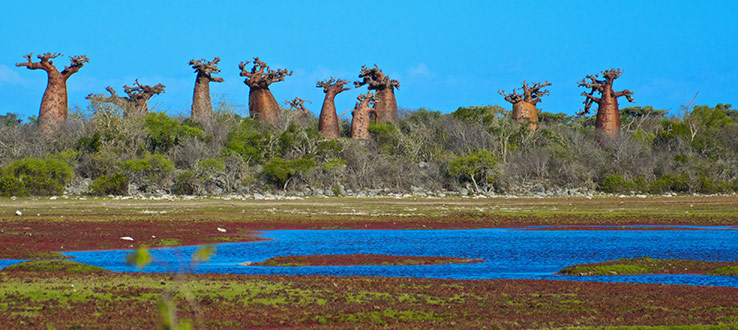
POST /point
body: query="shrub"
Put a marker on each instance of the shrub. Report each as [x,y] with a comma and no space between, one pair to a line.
[247,141]
[116,184]
[386,136]
[670,182]
[279,171]
[166,132]
[186,183]
[474,167]
[614,183]
[152,170]
[37,176]
[11,186]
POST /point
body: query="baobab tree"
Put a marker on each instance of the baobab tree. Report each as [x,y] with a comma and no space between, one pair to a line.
[262,104]
[524,105]
[298,105]
[375,79]
[362,116]
[608,115]
[202,107]
[54,104]
[136,101]
[328,120]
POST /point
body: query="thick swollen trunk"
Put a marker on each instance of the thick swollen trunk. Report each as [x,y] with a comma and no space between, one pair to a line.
[202,107]
[54,107]
[386,107]
[525,112]
[263,106]
[360,122]
[328,120]
[608,116]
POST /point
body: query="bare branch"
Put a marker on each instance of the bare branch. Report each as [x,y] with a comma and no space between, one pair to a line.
[45,62]
[77,63]
[207,68]
[298,104]
[333,85]
[513,97]
[375,79]
[260,75]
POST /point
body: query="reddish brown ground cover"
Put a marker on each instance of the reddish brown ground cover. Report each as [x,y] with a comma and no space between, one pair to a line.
[112,300]
[40,239]
[61,225]
[360,259]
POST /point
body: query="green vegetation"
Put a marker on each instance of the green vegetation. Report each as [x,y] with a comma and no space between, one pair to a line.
[59,300]
[35,176]
[477,149]
[726,271]
[117,184]
[646,265]
[64,266]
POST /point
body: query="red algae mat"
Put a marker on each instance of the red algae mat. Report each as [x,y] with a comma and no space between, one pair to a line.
[39,239]
[124,301]
[360,259]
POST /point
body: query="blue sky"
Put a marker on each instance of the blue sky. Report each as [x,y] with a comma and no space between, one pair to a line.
[446,54]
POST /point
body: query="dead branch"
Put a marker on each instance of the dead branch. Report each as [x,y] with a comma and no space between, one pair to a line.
[260,75]
[375,79]
[333,85]
[207,68]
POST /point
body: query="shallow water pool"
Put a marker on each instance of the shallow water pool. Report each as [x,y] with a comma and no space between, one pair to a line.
[507,253]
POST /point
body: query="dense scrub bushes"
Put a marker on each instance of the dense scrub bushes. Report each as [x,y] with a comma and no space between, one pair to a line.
[35,176]
[478,149]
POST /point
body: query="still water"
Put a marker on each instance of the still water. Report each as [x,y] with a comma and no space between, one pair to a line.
[507,253]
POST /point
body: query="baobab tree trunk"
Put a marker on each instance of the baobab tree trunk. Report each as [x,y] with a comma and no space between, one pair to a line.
[386,106]
[362,117]
[202,106]
[608,114]
[328,120]
[54,105]
[375,79]
[524,112]
[263,106]
[524,105]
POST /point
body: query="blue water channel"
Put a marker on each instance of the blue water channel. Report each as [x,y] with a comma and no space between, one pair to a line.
[507,253]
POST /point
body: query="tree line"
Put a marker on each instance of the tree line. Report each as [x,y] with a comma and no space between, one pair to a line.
[117,143]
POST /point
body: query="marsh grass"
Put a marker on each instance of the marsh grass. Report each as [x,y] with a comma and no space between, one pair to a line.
[646,265]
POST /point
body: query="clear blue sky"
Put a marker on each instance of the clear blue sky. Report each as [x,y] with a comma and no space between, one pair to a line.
[446,54]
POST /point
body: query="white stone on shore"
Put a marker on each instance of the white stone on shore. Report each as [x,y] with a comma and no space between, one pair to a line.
[127,238]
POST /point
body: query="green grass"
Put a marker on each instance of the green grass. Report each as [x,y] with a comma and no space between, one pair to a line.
[646,265]
[726,271]
[65,266]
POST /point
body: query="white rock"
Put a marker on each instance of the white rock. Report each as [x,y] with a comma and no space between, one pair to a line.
[127,238]
[18,212]
[53,198]
[246,263]
[222,230]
